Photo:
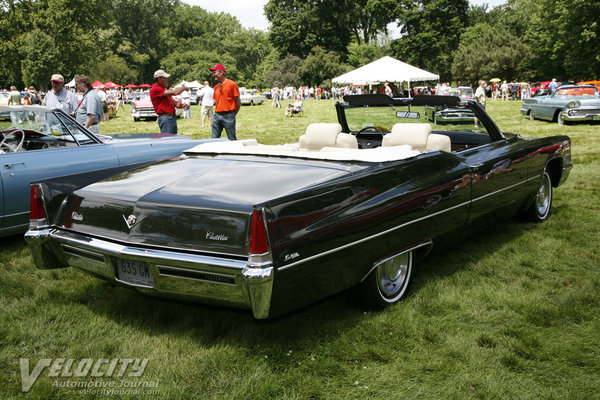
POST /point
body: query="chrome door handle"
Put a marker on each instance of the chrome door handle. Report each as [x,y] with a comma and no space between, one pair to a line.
[9,166]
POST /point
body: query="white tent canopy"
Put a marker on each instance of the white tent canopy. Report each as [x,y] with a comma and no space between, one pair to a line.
[192,85]
[386,69]
[71,84]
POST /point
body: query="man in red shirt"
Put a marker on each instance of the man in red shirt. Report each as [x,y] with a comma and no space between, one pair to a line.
[227,103]
[164,105]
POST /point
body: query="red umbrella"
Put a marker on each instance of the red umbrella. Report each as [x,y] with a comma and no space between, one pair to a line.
[145,85]
[130,86]
[111,85]
[97,84]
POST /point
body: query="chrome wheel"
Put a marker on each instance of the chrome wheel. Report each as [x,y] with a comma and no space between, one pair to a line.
[392,277]
[386,284]
[531,117]
[560,119]
[543,199]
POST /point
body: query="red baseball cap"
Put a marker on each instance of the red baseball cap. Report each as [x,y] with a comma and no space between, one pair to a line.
[218,66]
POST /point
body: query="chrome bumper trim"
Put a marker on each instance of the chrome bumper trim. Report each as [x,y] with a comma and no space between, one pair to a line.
[189,276]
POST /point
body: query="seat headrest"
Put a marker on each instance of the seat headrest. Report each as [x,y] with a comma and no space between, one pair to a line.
[319,135]
[412,134]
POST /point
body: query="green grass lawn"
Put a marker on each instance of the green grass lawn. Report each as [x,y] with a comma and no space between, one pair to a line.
[512,313]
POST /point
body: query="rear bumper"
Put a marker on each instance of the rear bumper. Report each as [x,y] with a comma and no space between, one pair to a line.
[143,113]
[202,278]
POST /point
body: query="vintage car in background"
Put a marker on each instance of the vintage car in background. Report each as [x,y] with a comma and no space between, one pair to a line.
[442,113]
[593,83]
[570,103]
[142,108]
[271,228]
[538,86]
[37,142]
[251,97]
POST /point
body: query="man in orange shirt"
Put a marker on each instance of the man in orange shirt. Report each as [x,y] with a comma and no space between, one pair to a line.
[227,103]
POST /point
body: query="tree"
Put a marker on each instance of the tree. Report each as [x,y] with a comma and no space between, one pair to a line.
[361,54]
[564,36]
[286,72]
[368,18]
[39,57]
[431,31]
[68,27]
[140,24]
[321,65]
[297,26]
[485,52]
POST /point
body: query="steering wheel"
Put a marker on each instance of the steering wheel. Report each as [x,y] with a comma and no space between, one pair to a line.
[371,128]
[10,148]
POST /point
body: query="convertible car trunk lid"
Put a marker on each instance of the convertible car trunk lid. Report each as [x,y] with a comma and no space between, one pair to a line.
[200,203]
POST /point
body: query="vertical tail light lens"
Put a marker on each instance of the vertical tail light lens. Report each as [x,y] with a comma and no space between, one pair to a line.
[258,234]
[37,214]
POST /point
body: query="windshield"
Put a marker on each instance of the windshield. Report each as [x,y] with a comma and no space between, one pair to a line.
[440,117]
[41,128]
[577,91]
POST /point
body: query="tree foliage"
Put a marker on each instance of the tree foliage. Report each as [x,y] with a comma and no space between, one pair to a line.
[286,72]
[431,31]
[298,26]
[321,65]
[486,51]
[310,41]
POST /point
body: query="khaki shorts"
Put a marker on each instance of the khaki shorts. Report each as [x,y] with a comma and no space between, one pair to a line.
[207,110]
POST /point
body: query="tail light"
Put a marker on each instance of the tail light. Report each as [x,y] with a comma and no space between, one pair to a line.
[258,234]
[37,214]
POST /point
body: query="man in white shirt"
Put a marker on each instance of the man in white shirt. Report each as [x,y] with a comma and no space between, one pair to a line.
[208,103]
[59,97]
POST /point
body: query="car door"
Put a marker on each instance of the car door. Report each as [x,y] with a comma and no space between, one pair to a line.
[498,177]
[71,151]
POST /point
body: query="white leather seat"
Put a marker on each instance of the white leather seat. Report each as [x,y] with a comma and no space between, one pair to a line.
[417,135]
[319,135]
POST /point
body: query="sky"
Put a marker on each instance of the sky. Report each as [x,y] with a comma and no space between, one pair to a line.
[250,12]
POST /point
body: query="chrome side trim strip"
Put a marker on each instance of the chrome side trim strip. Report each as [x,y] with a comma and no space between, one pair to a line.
[507,188]
[17,214]
[400,226]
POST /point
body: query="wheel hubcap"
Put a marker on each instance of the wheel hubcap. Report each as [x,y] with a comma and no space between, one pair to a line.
[543,197]
[392,274]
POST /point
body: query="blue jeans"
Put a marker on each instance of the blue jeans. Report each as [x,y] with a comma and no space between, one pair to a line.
[167,124]
[224,120]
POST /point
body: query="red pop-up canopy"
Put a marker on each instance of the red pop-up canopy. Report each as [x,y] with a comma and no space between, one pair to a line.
[111,85]
[130,86]
[145,85]
[97,84]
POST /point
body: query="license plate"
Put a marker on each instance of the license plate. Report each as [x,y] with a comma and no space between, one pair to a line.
[134,272]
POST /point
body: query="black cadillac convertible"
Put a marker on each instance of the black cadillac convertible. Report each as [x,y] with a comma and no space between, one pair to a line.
[273,227]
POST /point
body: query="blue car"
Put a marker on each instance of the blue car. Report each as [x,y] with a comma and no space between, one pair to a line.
[569,103]
[38,143]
